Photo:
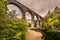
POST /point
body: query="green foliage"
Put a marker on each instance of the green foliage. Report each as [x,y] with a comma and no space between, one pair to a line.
[3,8]
[29,24]
[11,28]
[52,19]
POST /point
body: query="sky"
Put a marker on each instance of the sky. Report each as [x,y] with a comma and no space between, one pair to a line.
[39,6]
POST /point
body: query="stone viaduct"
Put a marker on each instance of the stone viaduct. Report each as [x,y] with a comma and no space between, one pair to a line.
[25,9]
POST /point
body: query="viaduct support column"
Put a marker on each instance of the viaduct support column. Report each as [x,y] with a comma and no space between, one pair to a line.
[37,26]
[32,21]
[41,23]
[23,15]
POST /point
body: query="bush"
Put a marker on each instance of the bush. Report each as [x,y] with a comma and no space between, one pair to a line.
[52,20]
[13,29]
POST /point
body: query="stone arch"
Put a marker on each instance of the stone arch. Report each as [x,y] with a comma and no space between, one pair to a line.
[32,18]
[33,15]
[35,21]
[28,16]
[16,3]
[18,12]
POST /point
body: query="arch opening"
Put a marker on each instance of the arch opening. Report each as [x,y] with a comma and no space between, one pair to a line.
[18,12]
[35,21]
[28,18]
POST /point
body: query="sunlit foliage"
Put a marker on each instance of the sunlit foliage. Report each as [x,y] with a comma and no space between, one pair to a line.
[52,19]
[11,28]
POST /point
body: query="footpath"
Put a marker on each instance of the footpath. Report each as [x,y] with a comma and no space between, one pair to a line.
[33,35]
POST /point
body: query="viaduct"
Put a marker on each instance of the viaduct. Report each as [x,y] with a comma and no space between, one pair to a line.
[25,9]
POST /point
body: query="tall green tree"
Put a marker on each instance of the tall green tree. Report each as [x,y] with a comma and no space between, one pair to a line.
[11,28]
[52,19]
[3,8]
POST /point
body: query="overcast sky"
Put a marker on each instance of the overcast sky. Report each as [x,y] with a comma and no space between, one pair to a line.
[39,6]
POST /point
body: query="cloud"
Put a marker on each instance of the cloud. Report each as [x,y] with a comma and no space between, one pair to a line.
[41,6]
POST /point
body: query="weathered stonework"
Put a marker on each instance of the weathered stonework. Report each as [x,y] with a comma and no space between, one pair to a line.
[25,9]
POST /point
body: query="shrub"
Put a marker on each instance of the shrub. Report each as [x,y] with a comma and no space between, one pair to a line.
[11,28]
[52,20]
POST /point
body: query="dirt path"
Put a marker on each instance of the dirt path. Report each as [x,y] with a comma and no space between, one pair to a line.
[33,35]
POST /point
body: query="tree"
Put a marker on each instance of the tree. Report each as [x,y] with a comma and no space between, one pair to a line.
[3,8]
[52,19]
[11,28]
